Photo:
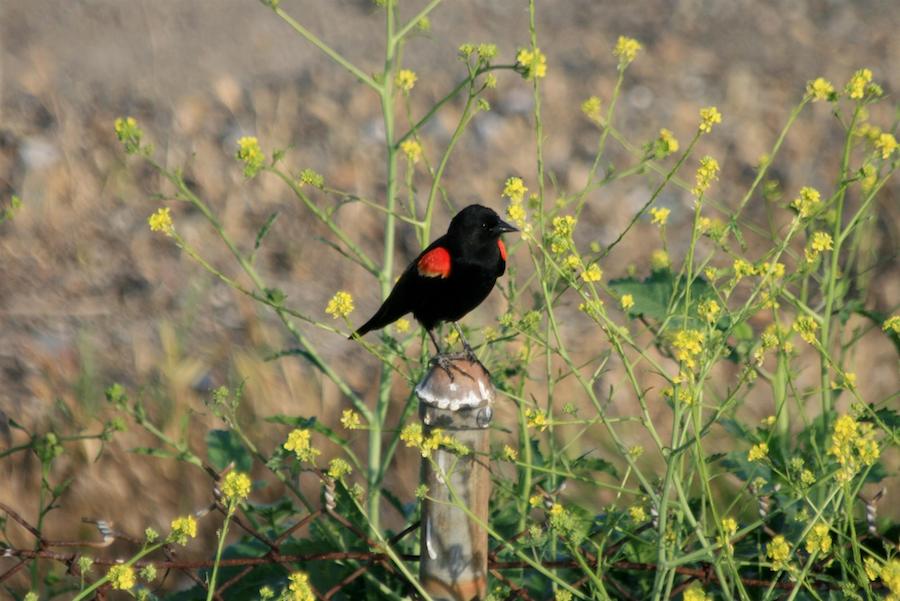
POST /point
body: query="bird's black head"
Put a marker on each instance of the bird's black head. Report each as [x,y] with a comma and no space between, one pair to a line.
[477,226]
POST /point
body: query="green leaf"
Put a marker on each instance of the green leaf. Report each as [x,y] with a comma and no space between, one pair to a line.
[653,295]
[265,230]
[224,447]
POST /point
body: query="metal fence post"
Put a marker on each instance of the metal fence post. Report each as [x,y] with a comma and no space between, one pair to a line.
[454,548]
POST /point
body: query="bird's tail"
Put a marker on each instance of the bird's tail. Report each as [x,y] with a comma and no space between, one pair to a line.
[386,314]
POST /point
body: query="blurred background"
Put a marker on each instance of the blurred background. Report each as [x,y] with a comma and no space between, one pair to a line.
[89,296]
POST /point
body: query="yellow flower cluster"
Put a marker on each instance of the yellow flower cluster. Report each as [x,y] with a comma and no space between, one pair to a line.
[299,441]
[729,529]
[129,134]
[412,150]
[592,274]
[340,305]
[807,202]
[251,155]
[509,453]
[161,221]
[742,268]
[300,588]
[695,593]
[887,144]
[592,308]
[779,550]
[889,574]
[667,142]
[591,109]
[338,468]
[853,445]
[892,324]
[626,50]
[514,189]
[536,419]
[402,325]
[709,116]
[659,215]
[659,260]
[818,540]
[819,89]
[856,87]
[627,301]
[637,514]
[406,80]
[533,63]
[121,577]
[351,420]
[311,177]
[183,529]
[413,436]
[820,242]
[485,52]
[758,452]
[709,310]
[236,487]
[688,344]
[561,236]
[684,395]
[807,328]
[713,227]
[707,173]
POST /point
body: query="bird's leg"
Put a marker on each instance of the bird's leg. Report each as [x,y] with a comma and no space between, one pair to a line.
[470,354]
[441,359]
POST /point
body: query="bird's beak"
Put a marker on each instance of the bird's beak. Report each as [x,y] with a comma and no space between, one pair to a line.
[503,227]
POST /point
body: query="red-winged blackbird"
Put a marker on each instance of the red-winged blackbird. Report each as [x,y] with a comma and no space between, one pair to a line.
[450,277]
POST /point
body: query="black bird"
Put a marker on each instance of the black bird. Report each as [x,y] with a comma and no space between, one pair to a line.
[450,277]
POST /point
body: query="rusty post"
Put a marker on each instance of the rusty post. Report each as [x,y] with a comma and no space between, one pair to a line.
[454,548]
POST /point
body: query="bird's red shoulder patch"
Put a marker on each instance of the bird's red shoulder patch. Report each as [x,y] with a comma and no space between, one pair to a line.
[502,248]
[435,263]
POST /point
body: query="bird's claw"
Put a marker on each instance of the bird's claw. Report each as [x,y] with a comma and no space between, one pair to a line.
[444,362]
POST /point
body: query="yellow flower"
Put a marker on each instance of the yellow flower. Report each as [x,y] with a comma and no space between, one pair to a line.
[709,310]
[556,510]
[509,453]
[707,173]
[129,134]
[535,500]
[340,305]
[299,441]
[351,420]
[627,301]
[251,155]
[821,241]
[856,87]
[536,419]
[637,513]
[818,540]
[338,468]
[887,144]
[516,213]
[668,142]
[892,324]
[742,268]
[593,274]
[819,89]
[807,477]
[591,109]
[310,177]
[626,49]
[729,526]
[853,445]
[300,588]
[514,189]
[532,62]
[890,576]
[688,344]
[779,550]
[236,487]
[807,202]
[411,435]
[161,221]
[406,79]
[183,529]
[758,452]
[412,150]
[121,577]
[401,325]
[873,570]
[695,593]
[660,215]
[807,328]
[659,259]
[709,116]
[486,52]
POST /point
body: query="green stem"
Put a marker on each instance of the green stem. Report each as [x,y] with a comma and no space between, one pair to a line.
[211,588]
